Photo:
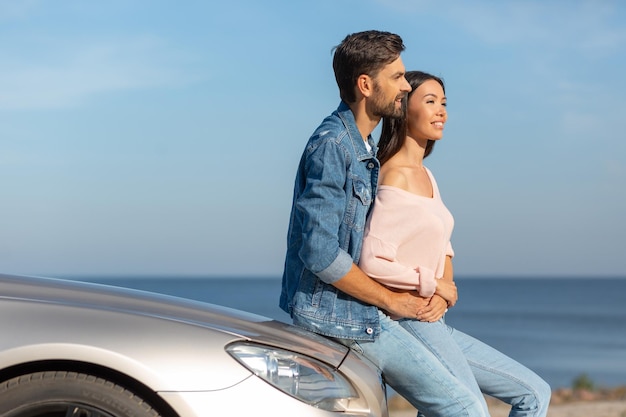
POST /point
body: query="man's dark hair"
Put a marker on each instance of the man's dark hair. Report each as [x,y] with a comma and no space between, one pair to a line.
[363,53]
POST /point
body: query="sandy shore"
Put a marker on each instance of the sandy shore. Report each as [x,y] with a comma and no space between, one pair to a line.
[580,409]
[573,409]
[599,408]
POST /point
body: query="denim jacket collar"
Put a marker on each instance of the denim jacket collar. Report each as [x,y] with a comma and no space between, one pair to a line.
[347,117]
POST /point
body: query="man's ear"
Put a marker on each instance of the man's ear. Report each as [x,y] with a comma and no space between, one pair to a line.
[365,85]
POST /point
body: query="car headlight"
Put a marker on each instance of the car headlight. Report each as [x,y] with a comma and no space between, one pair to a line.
[302,377]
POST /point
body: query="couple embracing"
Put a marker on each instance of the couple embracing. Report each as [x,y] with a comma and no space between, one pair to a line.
[369,258]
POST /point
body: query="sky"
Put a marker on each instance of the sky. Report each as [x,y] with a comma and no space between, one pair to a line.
[161,138]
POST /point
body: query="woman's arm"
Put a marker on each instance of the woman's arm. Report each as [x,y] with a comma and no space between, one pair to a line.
[446,288]
[445,296]
[379,261]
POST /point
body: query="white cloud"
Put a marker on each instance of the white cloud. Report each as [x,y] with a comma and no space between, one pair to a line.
[568,25]
[12,10]
[59,73]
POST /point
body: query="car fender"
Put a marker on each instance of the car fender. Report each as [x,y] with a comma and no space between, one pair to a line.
[137,349]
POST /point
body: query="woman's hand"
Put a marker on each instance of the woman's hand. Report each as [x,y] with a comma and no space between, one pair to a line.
[434,311]
[446,289]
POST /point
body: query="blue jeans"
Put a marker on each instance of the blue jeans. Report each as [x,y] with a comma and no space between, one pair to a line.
[482,368]
[443,372]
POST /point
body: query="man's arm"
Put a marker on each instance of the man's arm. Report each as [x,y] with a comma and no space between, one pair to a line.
[357,284]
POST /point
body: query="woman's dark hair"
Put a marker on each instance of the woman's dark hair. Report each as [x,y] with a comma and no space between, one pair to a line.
[393,132]
[363,53]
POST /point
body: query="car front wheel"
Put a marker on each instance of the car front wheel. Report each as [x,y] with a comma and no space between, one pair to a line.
[68,394]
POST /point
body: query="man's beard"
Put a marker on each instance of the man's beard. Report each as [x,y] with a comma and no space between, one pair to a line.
[382,109]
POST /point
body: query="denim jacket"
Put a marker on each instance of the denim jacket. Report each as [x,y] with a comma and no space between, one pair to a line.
[334,189]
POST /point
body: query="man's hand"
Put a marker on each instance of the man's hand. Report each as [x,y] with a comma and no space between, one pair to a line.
[434,311]
[406,304]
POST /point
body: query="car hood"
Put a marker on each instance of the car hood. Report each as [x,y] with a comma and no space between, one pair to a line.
[235,322]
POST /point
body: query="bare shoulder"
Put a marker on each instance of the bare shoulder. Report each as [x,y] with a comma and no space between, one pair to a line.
[394,176]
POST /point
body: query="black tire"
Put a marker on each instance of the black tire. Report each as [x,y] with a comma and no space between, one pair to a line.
[65,394]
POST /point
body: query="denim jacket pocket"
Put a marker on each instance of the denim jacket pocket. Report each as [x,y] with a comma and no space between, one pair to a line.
[362,191]
[358,205]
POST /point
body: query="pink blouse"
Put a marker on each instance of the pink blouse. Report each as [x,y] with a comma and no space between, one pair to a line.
[407,239]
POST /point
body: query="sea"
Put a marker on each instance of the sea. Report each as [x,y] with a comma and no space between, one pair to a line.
[562,328]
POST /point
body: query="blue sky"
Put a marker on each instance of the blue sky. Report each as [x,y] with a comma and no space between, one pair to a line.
[162,138]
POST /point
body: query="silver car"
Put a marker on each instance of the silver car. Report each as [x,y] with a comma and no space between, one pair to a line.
[79,349]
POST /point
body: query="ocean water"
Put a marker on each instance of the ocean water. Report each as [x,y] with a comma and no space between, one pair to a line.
[561,328]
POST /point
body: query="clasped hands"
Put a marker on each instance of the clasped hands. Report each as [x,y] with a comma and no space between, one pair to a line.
[429,309]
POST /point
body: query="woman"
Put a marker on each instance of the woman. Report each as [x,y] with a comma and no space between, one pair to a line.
[407,246]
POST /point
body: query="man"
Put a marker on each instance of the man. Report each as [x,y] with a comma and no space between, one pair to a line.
[323,289]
